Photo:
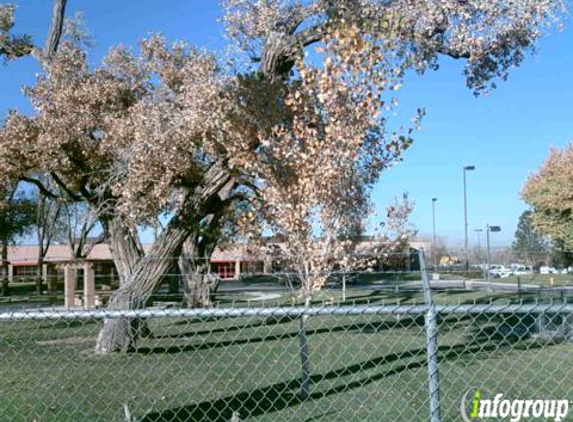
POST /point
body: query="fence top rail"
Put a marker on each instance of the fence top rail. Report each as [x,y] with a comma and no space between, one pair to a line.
[54,314]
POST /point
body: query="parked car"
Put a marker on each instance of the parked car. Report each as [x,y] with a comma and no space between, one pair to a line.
[499,271]
[523,270]
[548,270]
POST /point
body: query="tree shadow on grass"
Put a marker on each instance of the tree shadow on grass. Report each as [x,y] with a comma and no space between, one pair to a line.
[502,329]
[224,330]
[275,397]
[367,327]
[382,296]
[208,345]
[284,395]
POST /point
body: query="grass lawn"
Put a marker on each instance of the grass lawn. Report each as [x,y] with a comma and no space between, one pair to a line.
[543,280]
[390,294]
[367,368]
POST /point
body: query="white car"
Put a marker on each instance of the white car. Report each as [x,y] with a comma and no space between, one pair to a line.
[499,271]
[548,270]
[523,270]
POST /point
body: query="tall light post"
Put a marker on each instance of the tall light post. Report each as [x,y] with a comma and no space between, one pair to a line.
[466,169]
[434,252]
[490,229]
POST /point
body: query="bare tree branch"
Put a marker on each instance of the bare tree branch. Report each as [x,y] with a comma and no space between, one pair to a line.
[446,51]
[43,189]
[56,28]
[14,47]
[62,185]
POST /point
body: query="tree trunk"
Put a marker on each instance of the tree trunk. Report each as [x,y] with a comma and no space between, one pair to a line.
[122,334]
[197,286]
[4,269]
[124,245]
[173,279]
[197,281]
[194,263]
[126,251]
[39,275]
[5,282]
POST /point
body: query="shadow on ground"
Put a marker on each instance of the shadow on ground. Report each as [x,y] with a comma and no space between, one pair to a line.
[369,327]
[283,395]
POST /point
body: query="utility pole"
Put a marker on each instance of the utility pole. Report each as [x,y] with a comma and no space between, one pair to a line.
[434,243]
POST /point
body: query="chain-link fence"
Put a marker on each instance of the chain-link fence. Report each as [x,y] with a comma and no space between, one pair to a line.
[283,364]
[244,283]
[391,349]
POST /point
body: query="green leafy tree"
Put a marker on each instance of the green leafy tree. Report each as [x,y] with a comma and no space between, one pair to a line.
[549,194]
[560,256]
[17,218]
[530,245]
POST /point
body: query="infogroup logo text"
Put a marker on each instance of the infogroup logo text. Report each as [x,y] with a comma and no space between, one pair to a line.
[514,410]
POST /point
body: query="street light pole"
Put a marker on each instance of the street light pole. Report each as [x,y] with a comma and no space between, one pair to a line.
[434,252]
[488,275]
[466,169]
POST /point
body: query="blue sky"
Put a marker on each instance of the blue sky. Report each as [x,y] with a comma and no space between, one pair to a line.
[506,134]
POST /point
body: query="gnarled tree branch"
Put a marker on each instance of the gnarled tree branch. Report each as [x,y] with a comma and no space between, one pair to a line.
[14,47]
[56,28]
[43,189]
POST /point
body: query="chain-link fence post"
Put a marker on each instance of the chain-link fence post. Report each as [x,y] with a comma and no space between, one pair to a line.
[431,330]
[304,357]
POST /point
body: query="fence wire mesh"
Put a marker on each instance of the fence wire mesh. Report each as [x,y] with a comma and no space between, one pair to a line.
[362,363]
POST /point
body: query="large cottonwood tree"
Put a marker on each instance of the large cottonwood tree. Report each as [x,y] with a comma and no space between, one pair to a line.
[129,147]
